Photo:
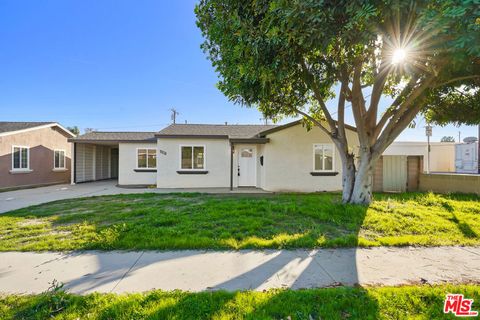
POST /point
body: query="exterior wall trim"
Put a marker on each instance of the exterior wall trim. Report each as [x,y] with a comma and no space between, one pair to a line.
[109,141]
[55,124]
[190,136]
[250,140]
[192,171]
[145,170]
[324,174]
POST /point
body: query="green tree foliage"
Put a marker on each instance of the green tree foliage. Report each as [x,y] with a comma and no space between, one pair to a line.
[74,130]
[455,105]
[288,58]
[447,139]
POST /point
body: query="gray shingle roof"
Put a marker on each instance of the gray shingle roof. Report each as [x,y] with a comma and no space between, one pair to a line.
[242,131]
[8,126]
[115,136]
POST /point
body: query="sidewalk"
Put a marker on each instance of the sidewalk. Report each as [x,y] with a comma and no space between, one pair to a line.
[85,272]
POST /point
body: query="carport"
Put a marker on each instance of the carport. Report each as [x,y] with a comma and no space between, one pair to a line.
[95,155]
[95,161]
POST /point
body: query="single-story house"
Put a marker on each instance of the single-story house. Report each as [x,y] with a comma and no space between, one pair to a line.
[273,158]
[33,154]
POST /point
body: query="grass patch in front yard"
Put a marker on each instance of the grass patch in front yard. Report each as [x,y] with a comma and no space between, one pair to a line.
[201,221]
[418,302]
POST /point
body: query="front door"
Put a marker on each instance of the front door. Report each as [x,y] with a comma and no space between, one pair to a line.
[247,166]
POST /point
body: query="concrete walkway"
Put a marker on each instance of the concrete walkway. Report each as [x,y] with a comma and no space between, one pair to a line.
[13,200]
[236,270]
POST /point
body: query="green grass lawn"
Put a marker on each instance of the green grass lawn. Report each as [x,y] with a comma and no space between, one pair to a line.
[415,302]
[189,221]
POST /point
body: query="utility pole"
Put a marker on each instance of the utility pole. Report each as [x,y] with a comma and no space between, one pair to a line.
[175,113]
[428,133]
[478,151]
[459,141]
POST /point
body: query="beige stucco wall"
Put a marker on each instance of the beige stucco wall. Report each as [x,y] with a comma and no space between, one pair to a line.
[447,183]
[217,157]
[42,143]
[127,163]
[442,157]
[288,161]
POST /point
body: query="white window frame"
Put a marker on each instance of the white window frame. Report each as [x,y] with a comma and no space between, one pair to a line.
[315,145]
[28,158]
[192,146]
[64,157]
[147,167]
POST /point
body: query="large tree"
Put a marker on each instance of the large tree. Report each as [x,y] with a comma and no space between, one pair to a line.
[291,57]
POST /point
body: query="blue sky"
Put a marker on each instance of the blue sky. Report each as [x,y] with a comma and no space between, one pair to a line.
[116,65]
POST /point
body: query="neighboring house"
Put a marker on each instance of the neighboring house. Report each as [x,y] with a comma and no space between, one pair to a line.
[274,158]
[33,154]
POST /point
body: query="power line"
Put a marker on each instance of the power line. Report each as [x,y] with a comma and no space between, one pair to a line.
[175,113]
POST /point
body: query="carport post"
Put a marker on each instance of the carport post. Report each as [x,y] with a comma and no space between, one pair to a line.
[231,165]
[73,173]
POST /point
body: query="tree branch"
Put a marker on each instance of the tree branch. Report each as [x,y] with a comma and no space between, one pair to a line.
[357,92]
[391,111]
[402,123]
[341,111]
[378,85]
[412,96]
[310,80]
[315,121]
[457,79]
[358,106]
[403,116]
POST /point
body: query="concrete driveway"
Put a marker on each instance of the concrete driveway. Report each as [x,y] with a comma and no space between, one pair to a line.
[13,200]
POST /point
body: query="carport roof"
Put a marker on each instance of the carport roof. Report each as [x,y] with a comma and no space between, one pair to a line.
[99,136]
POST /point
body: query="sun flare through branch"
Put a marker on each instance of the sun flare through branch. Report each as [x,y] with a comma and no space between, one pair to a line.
[399,55]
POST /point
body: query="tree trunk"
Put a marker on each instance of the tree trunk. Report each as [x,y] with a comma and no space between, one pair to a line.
[348,179]
[357,184]
[362,189]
